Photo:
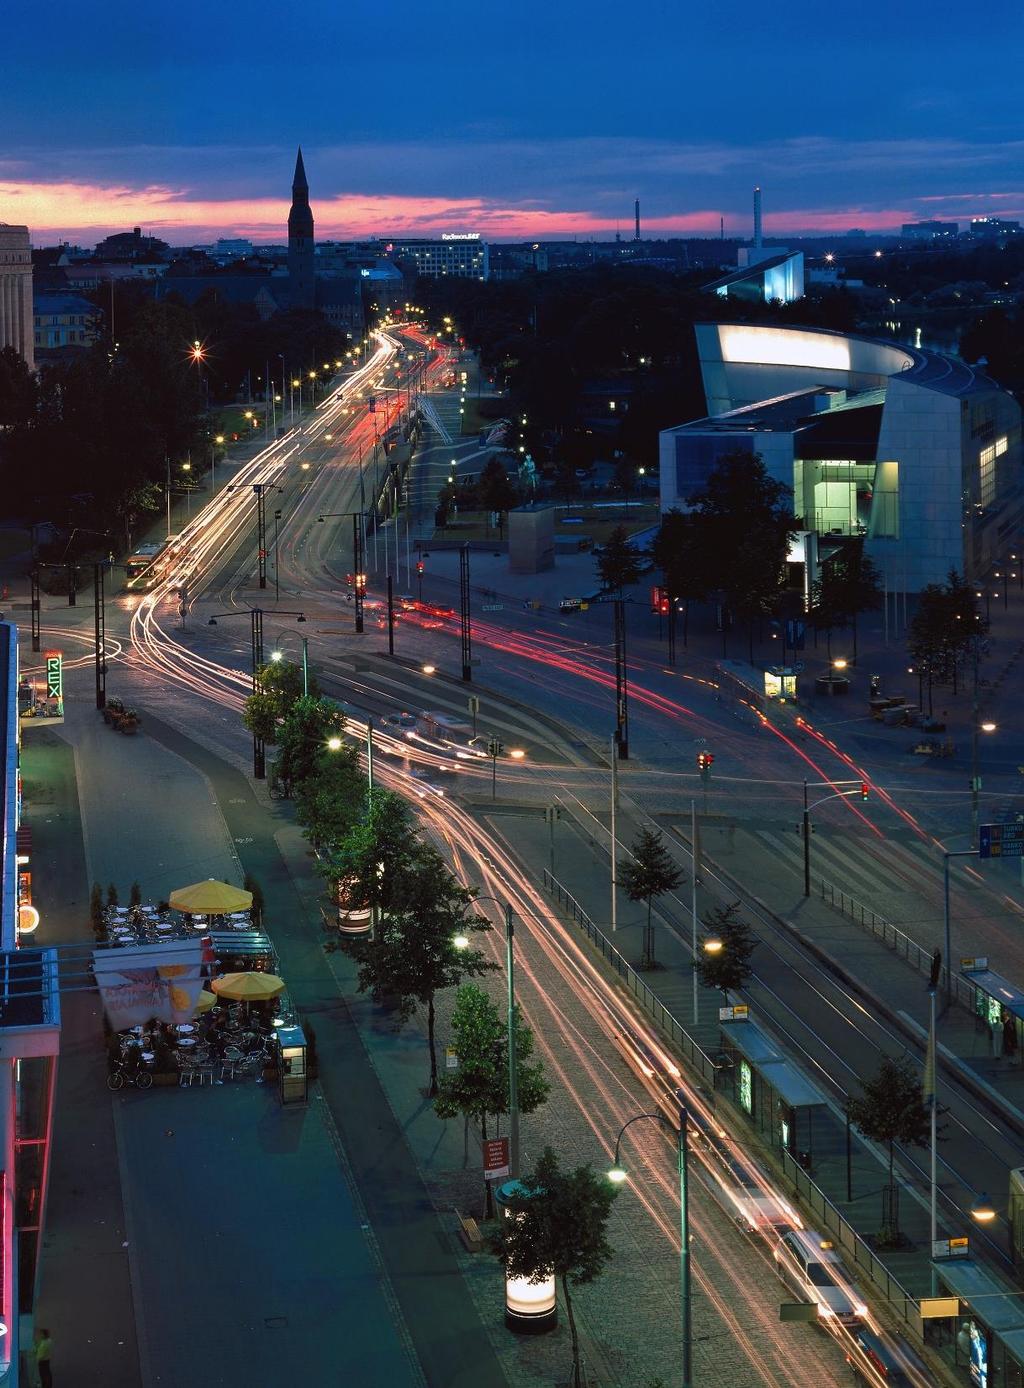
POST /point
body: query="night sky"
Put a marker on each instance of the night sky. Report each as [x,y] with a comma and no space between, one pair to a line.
[526,120]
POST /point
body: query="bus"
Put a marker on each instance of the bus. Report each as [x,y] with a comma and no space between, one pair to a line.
[149,563]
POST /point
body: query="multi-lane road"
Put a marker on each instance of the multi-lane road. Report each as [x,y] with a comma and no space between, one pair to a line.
[200,675]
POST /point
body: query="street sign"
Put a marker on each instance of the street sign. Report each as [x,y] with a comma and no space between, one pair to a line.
[977,964]
[739,1013]
[1001,840]
[933,1308]
[496,1159]
[492,607]
[451,1060]
[473,703]
[804,1311]
[951,1248]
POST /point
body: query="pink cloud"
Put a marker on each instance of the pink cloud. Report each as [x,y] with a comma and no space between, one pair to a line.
[88,211]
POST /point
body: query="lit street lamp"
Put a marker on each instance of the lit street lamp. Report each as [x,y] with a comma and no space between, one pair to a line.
[259,750]
[619,1174]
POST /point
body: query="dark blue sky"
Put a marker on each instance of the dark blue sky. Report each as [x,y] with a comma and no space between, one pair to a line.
[516,120]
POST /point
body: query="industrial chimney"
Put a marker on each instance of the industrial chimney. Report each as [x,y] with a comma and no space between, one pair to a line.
[636,212]
[757,219]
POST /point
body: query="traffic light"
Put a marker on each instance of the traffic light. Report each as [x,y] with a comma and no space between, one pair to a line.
[704,760]
[360,583]
[420,566]
[495,747]
[863,790]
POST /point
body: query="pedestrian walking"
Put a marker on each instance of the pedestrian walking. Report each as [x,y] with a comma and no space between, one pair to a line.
[1010,1037]
[43,1347]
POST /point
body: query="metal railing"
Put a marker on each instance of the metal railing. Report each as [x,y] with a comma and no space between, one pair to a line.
[827,1214]
[963,990]
[858,1251]
[652,1005]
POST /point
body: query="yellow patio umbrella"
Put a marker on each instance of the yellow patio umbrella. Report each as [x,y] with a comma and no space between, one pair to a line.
[248,987]
[206,1001]
[210,896]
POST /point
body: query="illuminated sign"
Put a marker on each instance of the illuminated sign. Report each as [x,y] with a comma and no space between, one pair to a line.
[460,236]
[55,677]
[780,347]
[746,1094]
[28,918]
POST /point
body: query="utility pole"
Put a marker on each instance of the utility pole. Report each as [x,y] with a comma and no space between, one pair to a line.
[513,1058]
[466,627]
[621,682]
[615,846]
[391,617]
[99,599]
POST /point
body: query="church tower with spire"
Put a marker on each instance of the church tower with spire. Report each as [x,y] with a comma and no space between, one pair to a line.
[300,241]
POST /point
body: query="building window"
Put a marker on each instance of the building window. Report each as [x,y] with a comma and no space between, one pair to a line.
[746,1094]
[987,475]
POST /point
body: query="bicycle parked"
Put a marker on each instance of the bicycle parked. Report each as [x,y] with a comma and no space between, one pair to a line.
[121,1075]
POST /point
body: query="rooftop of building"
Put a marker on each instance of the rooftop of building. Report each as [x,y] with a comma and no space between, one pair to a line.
[921,367]
[749,272]
[828,423]
[62,303]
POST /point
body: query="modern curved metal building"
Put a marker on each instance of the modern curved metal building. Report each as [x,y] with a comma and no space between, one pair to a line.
[916,455]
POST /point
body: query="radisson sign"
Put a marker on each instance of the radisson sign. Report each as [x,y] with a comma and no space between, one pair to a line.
[460,236]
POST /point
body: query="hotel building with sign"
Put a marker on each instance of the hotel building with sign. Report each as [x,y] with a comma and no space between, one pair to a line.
[461,254]
[915,456]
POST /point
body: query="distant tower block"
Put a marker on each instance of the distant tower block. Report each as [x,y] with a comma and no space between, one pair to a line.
[17,327]
[757,218]
[636,213]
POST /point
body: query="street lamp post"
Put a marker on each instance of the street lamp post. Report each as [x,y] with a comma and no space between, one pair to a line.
[618,1174]
[946,855]
[860,787]
[277,566]
[976,727]
[259,750]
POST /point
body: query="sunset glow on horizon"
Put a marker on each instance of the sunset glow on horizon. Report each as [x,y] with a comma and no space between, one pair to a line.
[88,211]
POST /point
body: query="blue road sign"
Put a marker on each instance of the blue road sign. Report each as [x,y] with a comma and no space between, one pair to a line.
[1001,840]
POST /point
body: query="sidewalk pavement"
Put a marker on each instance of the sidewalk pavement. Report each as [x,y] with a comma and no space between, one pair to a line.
[240,1223]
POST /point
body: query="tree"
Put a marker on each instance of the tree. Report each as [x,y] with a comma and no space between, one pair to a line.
[729,967]
[329,801]
[860,586]
[135,895]
[556,1226]
[495,490]
[891,1109]
[618,562]
[250,884]
[419,910]
[745,524]
[479,1085]
[279,688]
[648,872]
[302,739]
[946,626]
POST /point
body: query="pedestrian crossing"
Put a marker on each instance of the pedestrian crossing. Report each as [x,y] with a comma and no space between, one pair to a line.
[897,878]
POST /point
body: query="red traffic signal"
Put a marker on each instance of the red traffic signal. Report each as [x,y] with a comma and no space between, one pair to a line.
[704,760]
[863,790]
[420,566]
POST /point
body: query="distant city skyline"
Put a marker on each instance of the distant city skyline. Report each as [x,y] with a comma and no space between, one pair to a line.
[544,128]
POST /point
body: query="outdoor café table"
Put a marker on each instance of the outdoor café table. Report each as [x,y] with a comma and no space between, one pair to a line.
[186,1040]
[164,925]
[149,1056]
[185,1029]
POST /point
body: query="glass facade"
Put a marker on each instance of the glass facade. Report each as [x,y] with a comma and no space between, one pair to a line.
[697,456]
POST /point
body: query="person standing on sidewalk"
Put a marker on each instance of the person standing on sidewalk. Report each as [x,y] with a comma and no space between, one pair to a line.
[43,1346]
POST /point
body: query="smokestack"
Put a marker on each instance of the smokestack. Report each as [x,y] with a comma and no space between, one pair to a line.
[721,228]
[757,218]
[636,213]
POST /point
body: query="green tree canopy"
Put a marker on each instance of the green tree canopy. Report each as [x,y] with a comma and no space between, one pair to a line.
[478,1087]
[419,910]
[648,872]
[618,562]
[558,1227]
[891,1109]
[729,967]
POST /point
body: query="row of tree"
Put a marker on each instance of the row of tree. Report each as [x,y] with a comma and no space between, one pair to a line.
[85,441]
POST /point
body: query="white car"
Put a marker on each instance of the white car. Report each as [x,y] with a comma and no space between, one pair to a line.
[755,1206]
[807,1263]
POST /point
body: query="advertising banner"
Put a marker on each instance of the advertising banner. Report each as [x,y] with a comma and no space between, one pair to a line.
[161,981]
[496,1159]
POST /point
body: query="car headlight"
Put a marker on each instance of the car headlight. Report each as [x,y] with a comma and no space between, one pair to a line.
[860,1308]
[825,1312]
